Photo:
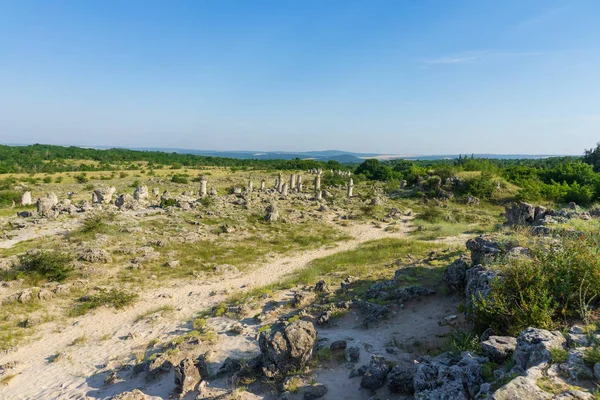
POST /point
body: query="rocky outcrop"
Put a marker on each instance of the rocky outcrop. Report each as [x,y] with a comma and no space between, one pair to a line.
[499,348]
[46,204]
[484,250]
[141,193]
[376,372]
[104,195]
[187,376]
[447,377]
[287,348]
[401,378]
[534,345]
[455,274]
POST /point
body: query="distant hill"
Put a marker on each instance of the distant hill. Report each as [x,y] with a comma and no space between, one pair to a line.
[345,157]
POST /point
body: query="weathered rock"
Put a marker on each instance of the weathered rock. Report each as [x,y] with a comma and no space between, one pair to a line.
[533,347]
[26,199]
[483,250]
[455,274]
[445,377]
[401,378]
[523,387]
[338,345]
[104,195]
[94,255]
[140,193]
[230,366]
[321,287]
[187,376]
[272,213]
[324,317]
[157,367]
[287,348]
[519,214]
[479,279]
[499,348]
[314,392]
[45,206]
[376,373]
[352,354]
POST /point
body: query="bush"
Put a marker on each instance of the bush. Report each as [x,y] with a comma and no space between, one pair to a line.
[58,179]
[8,196]
[47,179]
[81,178]
[136,184]
[544,291]
[482,186]
[431,214]
[164,203]
[179,178]
[52,266]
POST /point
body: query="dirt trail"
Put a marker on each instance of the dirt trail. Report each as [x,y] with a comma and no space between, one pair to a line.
[67,377]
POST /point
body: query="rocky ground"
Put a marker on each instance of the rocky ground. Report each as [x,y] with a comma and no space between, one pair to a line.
[278,292]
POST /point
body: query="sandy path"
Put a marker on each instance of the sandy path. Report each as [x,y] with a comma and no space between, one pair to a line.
[67,377]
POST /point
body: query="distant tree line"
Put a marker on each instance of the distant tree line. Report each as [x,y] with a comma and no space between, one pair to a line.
[40,158]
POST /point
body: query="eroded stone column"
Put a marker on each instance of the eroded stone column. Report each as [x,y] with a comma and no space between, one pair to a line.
[203,186]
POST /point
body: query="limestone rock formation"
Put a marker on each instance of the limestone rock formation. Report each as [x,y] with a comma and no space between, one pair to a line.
[287,348]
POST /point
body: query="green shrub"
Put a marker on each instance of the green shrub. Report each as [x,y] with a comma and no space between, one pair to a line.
[109,298]
[553,285]
[482,186]
[431,214]
[136,183]
[51,266]
[58,179]
[164,203]
[8,196]
[47,179]
[558,356]
[592,356]
[82,178]
[179,178]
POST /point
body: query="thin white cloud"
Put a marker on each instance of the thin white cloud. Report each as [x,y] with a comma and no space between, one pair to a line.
[541,18]
[470,57]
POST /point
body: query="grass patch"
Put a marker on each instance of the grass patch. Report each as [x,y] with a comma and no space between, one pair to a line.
[162,310]
[361,260]
[109,298]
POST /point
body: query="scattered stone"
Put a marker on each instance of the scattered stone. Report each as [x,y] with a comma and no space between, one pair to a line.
[352,354]
[534,345]
[401,377]
[455,274]
[338,345]
[321,287]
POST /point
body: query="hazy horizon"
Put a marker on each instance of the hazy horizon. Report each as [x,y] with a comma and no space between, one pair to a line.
[386,77]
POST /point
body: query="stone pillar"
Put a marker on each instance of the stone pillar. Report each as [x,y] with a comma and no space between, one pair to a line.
[262,186]
[402,184]
[299,183]
[203,183]
[284,189]
[250,186]
[318,182]
[318,194]
[292,181]
[280,183]
[155,191]
[26,199]
[350,187]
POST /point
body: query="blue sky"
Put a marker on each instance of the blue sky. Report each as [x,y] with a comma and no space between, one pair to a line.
[387,76]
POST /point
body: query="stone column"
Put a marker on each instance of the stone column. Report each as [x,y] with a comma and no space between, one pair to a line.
[284,189]
[280,183]
[292,181]
[203,183]
[262,186]
[26,199]
[350,187]
[318,182]
[318,194]
[250,186]
[299,183]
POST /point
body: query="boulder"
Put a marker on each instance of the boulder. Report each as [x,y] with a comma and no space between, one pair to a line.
[455,274]
[141,193]
[45,206]
[315,392]
[104,195]
[519,214]
[352,354]
[376,372]
[287,348]
[26,199]
[187,376]
[401,378]
[447,377]
[534,345]
[272,213]
[483,249]
[499,348]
